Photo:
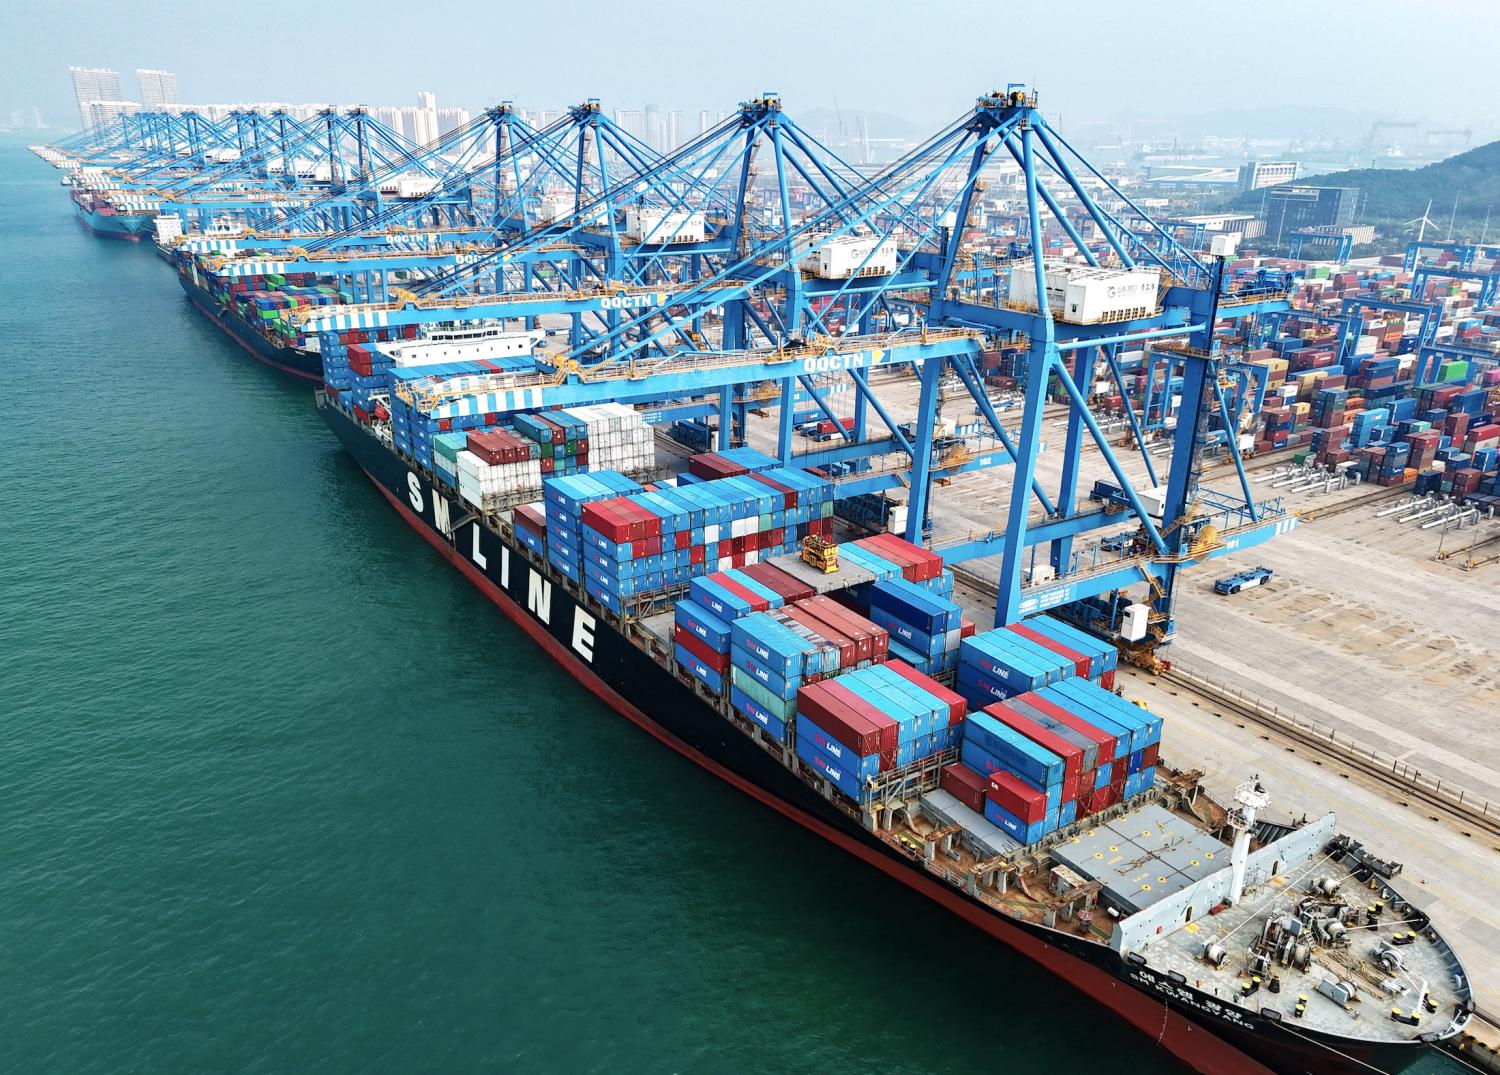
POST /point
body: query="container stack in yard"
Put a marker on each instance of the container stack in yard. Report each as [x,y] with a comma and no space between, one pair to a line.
[1364,410]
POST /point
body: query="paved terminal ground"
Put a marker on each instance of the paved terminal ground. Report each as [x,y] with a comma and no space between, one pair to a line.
[1361,631]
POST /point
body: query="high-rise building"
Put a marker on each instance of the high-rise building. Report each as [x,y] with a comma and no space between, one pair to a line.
[632,121]
[104,113]
[94,84]
[450,119]
[158,88]
[655,130]
[388,116]
[424,120]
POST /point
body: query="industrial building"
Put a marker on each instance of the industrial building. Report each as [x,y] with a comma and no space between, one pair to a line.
[1257,174]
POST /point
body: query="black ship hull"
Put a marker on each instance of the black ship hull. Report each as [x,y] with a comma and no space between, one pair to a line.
[299,363]
[1210,1036]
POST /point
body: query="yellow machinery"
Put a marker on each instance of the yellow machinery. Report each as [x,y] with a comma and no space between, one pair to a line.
[823,555]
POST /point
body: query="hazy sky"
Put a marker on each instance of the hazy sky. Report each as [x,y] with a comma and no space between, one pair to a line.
[919,59]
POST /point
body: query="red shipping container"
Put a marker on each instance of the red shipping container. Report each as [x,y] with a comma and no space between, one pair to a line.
[1080,661]
[710,465]
[1070,753]
[841,642]
[871,642]
[965,785]
[602,515]
[1150,755]
[840,720]
[1013,794]
[925,563]
[1070,786]
[885,724]
[644,523]
[757,602]
[788,494]
[1107,680]
[958,708]
[967,628]
[1105,741]
[532,518]
[810,617]
[685,638]
[773,578]
[695,554]
[904,563]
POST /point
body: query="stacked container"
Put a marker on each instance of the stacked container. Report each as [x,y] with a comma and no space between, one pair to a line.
[656,542]
[995,665]
[926,628]
[730,463]
[565,498]
[1042,759]
[495,469]
[871,721]
[1095,658]
[701,644]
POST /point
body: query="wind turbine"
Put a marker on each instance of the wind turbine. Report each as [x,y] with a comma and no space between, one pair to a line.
[1423,220]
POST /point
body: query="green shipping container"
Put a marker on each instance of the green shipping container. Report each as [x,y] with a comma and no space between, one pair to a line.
[448,445]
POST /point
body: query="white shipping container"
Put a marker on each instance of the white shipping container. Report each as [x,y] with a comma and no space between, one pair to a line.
[1082,294]
[647,224]
[415,186]
[850,255]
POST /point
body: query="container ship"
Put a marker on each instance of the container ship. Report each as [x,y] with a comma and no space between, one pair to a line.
[256,312]
[100,216]
[996,772]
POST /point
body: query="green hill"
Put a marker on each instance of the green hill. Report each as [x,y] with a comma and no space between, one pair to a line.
[1392,197]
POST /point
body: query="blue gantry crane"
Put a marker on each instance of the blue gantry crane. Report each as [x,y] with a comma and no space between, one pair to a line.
[700,276]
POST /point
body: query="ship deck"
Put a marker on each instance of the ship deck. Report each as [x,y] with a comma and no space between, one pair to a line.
[1428,962]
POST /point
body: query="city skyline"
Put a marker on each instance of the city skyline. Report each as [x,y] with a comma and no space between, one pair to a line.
[1086,67]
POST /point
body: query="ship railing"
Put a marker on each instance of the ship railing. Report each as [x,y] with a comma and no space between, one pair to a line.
[917,778]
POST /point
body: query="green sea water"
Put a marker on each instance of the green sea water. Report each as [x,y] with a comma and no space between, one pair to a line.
[281,792]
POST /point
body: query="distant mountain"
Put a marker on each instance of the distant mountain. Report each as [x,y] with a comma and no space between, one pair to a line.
[1388,196]
[825,123]
[1308,123]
